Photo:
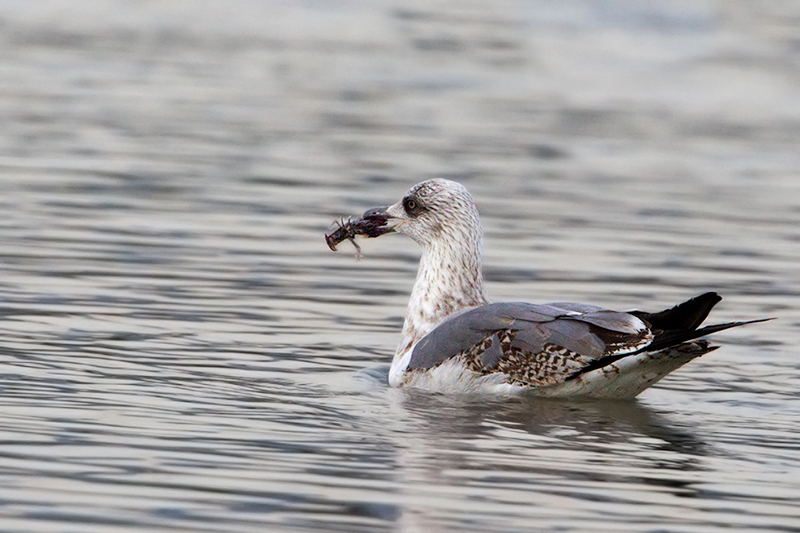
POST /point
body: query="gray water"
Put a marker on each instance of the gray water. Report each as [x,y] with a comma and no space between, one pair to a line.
[179,350]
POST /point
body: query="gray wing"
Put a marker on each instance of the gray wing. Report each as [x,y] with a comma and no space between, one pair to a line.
[534,345]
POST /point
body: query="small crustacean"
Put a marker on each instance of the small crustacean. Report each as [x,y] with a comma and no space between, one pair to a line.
[346,231]
[372,224]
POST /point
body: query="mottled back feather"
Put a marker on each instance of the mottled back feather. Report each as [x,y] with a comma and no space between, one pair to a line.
[534,345]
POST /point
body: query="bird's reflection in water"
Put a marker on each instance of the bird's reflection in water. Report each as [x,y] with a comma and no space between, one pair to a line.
[573,431]
[551,454]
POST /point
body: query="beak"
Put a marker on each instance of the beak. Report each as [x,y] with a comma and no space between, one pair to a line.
[375,222]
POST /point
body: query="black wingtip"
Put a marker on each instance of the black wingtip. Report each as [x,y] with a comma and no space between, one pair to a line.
[672,338]
[708,330]
[685,316]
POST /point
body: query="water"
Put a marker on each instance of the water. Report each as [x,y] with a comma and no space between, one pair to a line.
[179,350]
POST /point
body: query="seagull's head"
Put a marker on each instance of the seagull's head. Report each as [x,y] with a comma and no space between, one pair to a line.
[434,212]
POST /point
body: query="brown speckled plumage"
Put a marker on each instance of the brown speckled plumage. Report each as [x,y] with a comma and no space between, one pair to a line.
[549,366]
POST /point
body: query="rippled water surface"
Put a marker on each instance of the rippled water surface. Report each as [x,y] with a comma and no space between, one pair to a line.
[179,350]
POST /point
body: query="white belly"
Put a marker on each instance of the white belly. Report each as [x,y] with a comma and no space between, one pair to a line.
[450,377]
[623,379]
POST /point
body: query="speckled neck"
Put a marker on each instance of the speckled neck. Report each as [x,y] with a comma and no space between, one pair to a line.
[449,280]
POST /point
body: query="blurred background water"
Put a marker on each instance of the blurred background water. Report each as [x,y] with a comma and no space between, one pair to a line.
[179,350]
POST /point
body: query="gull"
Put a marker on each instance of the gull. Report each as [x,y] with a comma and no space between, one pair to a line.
[455,340]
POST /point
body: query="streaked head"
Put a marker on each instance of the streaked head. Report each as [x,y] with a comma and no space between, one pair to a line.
[437,211]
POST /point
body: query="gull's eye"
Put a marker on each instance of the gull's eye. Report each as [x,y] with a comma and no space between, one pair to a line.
[412,207]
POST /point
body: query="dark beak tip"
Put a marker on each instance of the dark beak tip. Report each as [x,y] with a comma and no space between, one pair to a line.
[380,211]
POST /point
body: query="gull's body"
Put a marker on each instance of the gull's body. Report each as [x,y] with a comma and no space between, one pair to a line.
[454,340]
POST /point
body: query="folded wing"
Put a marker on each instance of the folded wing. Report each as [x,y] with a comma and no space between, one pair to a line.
[534,345]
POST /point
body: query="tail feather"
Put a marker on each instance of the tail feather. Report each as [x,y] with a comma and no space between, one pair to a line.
[672,328]
[680,323]
[626,377]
